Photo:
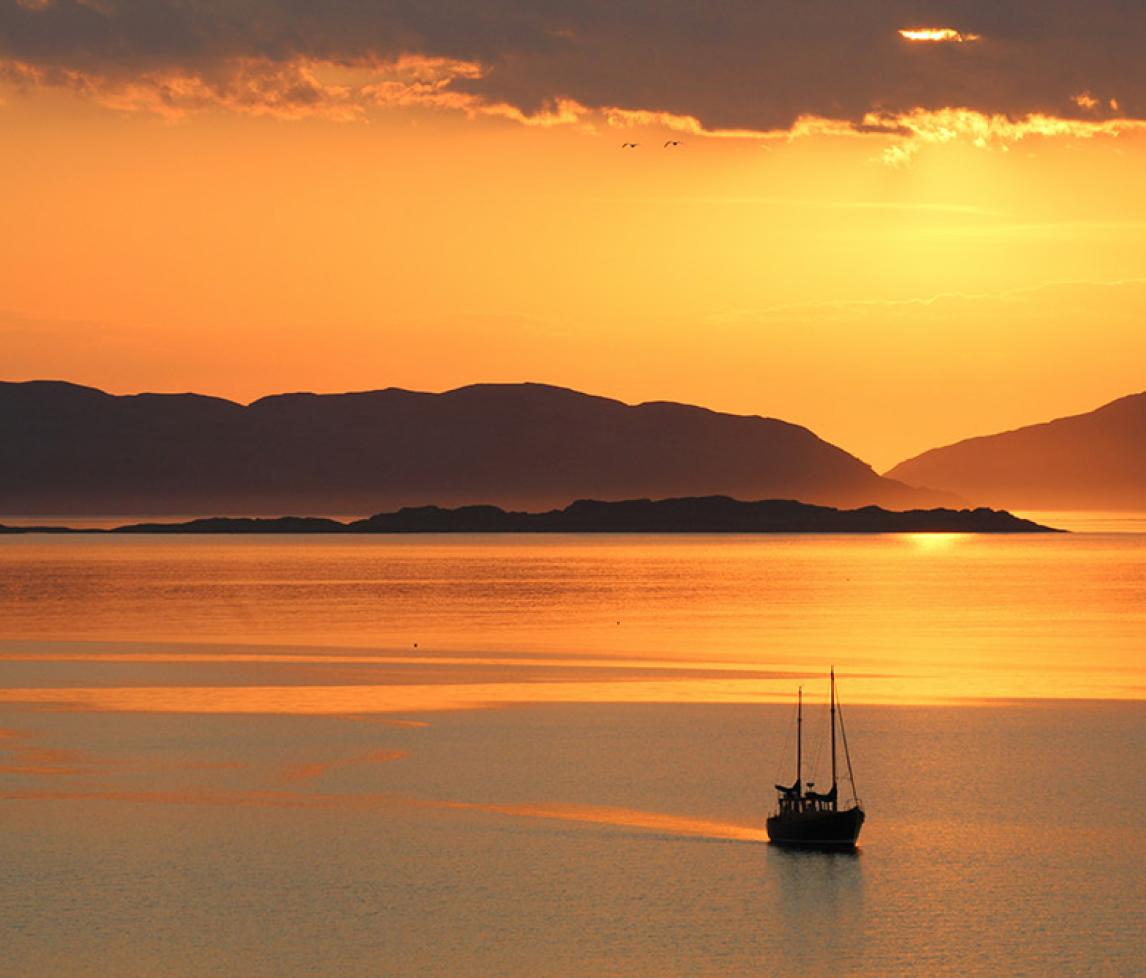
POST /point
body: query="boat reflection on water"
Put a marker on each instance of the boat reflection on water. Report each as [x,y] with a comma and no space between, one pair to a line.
[811,819]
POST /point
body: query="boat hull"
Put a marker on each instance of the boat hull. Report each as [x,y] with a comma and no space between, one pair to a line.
[817,830]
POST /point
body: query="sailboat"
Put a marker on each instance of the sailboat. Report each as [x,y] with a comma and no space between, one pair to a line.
[815,819]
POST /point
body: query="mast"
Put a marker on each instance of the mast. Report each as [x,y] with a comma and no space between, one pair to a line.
[799,738]
[834,793]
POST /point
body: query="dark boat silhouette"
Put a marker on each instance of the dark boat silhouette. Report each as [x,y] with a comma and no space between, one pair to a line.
[812,819]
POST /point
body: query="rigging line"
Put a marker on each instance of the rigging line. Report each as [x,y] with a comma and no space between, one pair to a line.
[847,753]
[820,738]
[781,775]
[819,743]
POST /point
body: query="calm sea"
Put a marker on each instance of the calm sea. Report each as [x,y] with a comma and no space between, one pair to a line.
[553,756]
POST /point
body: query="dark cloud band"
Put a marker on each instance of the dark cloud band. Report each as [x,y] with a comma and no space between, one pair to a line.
[735,64]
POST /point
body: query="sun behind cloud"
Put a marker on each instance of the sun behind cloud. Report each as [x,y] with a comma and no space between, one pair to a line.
[937,35]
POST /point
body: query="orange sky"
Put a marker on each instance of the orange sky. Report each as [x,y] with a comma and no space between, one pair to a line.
[890,293]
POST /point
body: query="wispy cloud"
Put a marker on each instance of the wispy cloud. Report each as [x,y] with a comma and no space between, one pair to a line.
[798,203]
[790,309]
[923,127]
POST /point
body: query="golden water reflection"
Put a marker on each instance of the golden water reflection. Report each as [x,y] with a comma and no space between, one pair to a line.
[365,738]
[384,625]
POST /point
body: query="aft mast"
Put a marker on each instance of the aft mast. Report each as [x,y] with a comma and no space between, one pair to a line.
[799,740]
[834,792]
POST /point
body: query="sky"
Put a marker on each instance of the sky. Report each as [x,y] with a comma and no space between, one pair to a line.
[899,224]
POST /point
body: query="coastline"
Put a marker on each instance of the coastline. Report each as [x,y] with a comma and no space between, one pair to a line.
[701,514]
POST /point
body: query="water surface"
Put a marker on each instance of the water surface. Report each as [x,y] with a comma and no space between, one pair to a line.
[523,756]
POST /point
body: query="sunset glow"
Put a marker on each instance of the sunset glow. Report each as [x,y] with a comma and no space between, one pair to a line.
[513,489]
[390,217]
[936,35]
[770,245]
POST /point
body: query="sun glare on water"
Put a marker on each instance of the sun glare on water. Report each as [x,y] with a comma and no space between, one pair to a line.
[933,542]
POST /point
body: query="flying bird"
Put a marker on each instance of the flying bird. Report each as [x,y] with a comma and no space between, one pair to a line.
[671,142]
[629,145]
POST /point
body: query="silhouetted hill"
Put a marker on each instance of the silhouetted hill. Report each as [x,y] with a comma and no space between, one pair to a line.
[77,450]
[1088,461]
[707,514]
[238,524]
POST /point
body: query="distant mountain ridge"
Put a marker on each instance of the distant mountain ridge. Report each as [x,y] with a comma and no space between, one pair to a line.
[707,514]
[76,450]
[1095,460]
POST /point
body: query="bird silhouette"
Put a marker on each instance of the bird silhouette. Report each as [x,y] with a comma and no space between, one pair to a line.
[671,142]
[629,145]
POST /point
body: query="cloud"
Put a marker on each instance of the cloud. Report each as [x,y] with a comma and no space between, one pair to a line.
[1083,293]
[937,35]
[730,69]
[990,131]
